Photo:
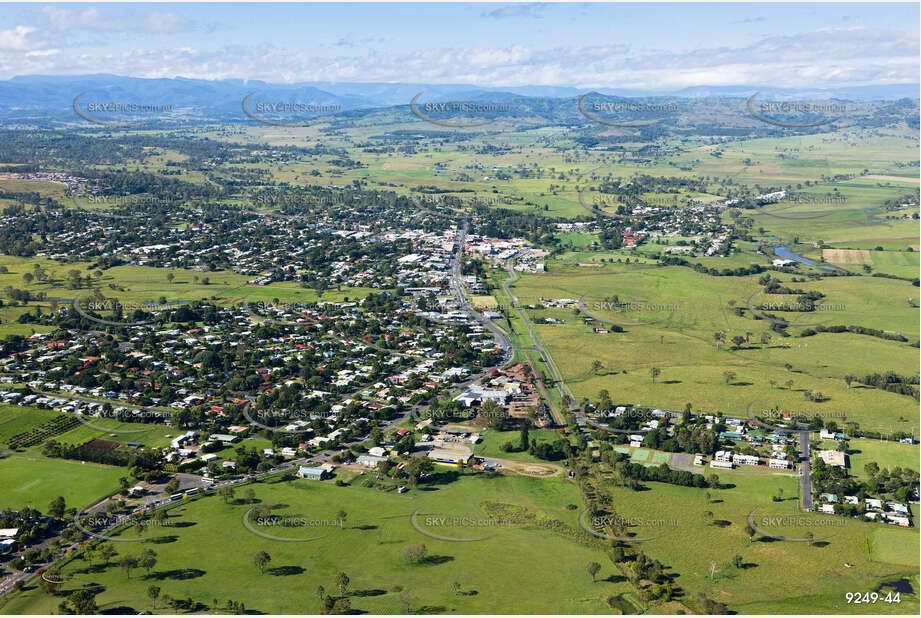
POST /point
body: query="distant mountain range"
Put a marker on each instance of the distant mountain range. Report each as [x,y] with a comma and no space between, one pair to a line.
[43,96]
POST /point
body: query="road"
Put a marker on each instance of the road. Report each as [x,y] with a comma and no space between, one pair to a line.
[457,288]
[805,471]
[539,348]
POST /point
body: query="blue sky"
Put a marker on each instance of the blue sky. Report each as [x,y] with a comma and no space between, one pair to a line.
[648,46]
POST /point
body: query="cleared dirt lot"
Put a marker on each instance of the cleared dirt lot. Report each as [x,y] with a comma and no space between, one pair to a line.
[846,256]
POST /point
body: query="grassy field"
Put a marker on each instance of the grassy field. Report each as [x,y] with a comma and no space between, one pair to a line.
[686,308]
[862,451]
[507,572]
[492,440]
[776,576]
[30,479]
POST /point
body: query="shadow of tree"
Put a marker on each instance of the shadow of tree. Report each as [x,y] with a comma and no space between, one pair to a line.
[285,570]
[178,574]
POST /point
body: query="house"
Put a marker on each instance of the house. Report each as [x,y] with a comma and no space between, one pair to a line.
[827,508]
[833,458]
[377,451]
[831,435]
[901,509]
[723,456]
[778,464]
[370,461]
[746,460]
[313,474]
[288,452]
[457,457]
[875,504]
[187,437]
[899,521]
[718,463]
[8,533]
[223,437]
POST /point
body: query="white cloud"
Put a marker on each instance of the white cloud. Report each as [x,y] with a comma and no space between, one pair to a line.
[17,38]
[153,21]
[825,57]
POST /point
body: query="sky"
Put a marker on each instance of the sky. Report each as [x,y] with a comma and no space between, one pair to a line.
[584,45]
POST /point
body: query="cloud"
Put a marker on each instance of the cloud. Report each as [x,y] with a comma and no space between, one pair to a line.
[822,58]
[529,11]
[91,19]
[17,38]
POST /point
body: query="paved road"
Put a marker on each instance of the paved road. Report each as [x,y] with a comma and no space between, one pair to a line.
[457,288]
[805,471]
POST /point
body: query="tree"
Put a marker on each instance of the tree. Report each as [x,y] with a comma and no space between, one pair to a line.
[341,606]
[170,277]
[147,560]
[261,559]
[729,376]
[737,561]
[83,602]
[654,373]
[597,366]
[593,568]
[713,571]
[172,486]
[750,532]
[341,515]
[154,592]
[407,598]
[226,493]
[321,592]
[250,495]
[719,337]
[27,278]
[50,581]
[342,583]
[127,563]
[57,507]
[848,379]
[415,553]
[106,552]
